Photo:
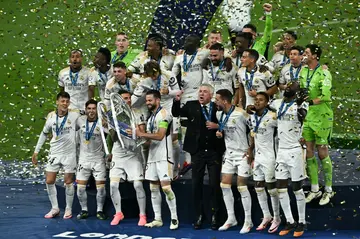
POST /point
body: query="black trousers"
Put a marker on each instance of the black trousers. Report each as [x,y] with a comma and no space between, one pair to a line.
[213,161]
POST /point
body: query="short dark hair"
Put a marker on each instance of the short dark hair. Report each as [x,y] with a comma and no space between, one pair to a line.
[292,34]
[217,46]
[62,94]
[300,49]
[106,52]
[122,91]
[158,39]
[195,37]
[246,35]
[251,26]
[91,101]
[253,53]
[155,93]
[121,33]
[151,67]
[315,49]
[215,31]
[225,94]
[267,97]
[120,64]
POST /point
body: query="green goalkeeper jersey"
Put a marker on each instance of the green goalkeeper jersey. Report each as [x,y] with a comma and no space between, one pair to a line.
[127,57]
[319,83]
[260,44]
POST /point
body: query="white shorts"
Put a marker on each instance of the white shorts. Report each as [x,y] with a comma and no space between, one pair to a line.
[67,162]
[96,168]
[291,163]
[264,171]
[236,165]
[159,171]
[127,169]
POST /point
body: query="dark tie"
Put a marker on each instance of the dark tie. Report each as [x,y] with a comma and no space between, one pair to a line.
[206,110]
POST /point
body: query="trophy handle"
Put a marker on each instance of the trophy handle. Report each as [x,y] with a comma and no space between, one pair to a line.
[99,111]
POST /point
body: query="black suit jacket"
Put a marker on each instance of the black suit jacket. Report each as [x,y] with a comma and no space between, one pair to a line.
[192,111]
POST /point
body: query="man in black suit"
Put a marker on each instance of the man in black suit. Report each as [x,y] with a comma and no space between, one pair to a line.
[205,149]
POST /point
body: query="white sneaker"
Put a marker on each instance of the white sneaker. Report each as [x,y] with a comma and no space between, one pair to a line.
[155,223]
[274,225]
[312,195]
[228,224]
[53,213]
[246,227]
[265,222]
[174,224]
[326,198]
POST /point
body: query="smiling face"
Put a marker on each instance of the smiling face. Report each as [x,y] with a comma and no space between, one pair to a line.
[153,48]
[75,60]
[120,74]
[308,57]
[288,41]
[241,44]
[216,56]
[205,95]
[121,43]
[295,57]
[63,104]
[152,102]
[247,60]
[91,111]
[260,102]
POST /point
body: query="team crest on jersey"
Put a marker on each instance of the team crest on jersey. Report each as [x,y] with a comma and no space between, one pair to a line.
[68,121]
[234,121]
[256,81]
[97,128]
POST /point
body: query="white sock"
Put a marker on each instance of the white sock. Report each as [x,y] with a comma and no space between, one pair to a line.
[285,204]
[275,203]
[263,201]
[301,205]
[115,195]
[52,193]
[246,202]
[328,189]
[82,196]
[171,201]
[315,188]
[69,192]
[176,157]
[229,200]
[140,195]
[100,197]
[156,200]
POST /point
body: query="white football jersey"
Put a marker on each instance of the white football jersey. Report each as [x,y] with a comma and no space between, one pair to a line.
[289,126]
[114,87]
[260,82]
[100,79]
[287,76]
[235,132]
[264,137]
[92,149]
[193,77]
[79,91]
[279,60]
[160,150]
[65,141]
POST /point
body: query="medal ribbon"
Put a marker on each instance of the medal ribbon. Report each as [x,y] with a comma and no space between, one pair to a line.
[258,120]
[296,76]
[73,80]
[285,60]
[222,122]
[187,65]
[308,79]
[249,83]
[88,133]
[59,129]
[206,114]
[238,61]
[152,120]
[281,112]
[114,59]
[214,77]
[102,79]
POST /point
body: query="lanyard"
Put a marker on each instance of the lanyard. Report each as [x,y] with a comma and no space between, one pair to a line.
[207,115]
[222,122]
[281,112]
[73,80]
[285,60]
[59,129]
[158,83]
[158,61]
[238,61]
[102,79]
[152,121]
[249,83]
[113,60]
[187,65]
[296,76]
[308,79]
[88,133]
[214,77]
[258,120]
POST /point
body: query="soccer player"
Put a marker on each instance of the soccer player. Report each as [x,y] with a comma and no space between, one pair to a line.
[119,82]
[291,71]
[160,163]
[154,51]
[61,124]
[260,45]
[214,37]
[127,165]
[281,58]
[233,123]
[220,72]
[263,129]
[318,123]
[123,52]
[253,79]
[75,80]
[91,160]
[102,71]
[290,161]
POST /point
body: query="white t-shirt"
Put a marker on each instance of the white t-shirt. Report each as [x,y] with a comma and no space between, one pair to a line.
[65,142]
[160,150]
[92,149]
[260,82]
[234,133]
[101,79]
[79,92]
[264,135]
[193,77]
[289,126]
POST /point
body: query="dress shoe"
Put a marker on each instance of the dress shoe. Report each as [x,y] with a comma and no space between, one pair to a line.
[198,223]
[214,223]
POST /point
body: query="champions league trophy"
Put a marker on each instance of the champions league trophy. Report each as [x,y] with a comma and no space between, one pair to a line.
[124,119]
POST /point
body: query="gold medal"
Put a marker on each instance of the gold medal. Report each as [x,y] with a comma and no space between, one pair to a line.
[252,133]
[87,141]
[57,137]
[184,73]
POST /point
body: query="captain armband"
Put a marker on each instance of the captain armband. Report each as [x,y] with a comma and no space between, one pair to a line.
[163,124]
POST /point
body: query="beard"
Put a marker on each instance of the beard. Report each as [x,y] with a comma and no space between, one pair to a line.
[151,107]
